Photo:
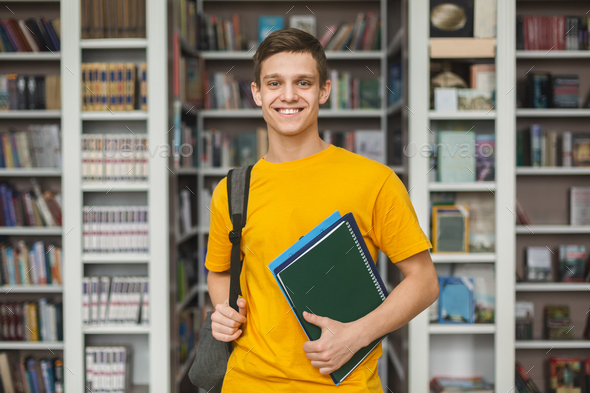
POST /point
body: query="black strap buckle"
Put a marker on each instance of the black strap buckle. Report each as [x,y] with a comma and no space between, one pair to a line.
[235,236]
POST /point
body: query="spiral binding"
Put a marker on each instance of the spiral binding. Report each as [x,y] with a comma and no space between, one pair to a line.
[367,263]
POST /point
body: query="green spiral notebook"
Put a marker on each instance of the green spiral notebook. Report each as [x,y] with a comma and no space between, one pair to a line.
[334,276]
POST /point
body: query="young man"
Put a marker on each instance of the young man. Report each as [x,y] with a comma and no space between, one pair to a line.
[300,182]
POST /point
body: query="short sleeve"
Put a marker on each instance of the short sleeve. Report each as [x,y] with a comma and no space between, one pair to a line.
[396,229]
[219,247]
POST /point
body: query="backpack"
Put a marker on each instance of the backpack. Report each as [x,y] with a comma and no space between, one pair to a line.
[208,368]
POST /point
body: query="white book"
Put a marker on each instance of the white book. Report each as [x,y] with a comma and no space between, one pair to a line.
[92,169]
[104,299]
[110,236]
[580,206]
[41,204]
[334,92]
[26,265]
[52,325]
[120,387]
[53,130]
[130,160]
[130,300]
[370,144]
[113,300]
[145,158]
[103,369]
[566,147]
[146,229]
[145,303]
[41,276]
[42,318]
[99,157]
[95,229]
[205,213]
[123,300]
[90,360]
[86,228]
[23,150]
[104,229]
[185,210]
[115,228]
[109,370]
[135,229]
[32,262]
[34,143]
[94,296]
[128,228]
[85,155]
[484,19]
[86,300]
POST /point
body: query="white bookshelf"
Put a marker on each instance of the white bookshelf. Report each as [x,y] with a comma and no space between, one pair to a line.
[30,172]
[552,171]
[490,346]
[30,114]
[551,229]
[29,289]
[31,345]
[552,112]
[552,344]
[552,54]
[31,231]
[150,348]
[552,287]
[30,56]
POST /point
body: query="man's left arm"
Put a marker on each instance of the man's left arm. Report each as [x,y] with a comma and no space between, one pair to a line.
[339,341]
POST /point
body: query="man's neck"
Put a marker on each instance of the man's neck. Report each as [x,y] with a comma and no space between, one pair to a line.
[285,149]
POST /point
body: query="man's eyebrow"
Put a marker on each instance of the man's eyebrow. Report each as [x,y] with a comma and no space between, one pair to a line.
[275,75]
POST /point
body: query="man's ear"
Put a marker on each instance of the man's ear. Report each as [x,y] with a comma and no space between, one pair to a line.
[325,92]
[256,93]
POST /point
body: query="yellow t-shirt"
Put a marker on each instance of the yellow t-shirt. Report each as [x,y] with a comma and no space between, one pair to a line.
[286,201]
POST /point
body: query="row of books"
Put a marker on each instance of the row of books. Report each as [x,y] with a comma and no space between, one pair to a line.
[461,157]
[456,384]
[571,265]
[189,80]
[225,91]
[39,264]
[557,322]
[353,93]
[32,321]
[566,374]
[30,208]
[109,369]
[113,19]
[38,147]
[363,34]
[474,216]
[115,157]
[469,287]
[223,150]
[23,92]
[544,90]
[541,148]
[185,141]
[535,32]
[116,300]
[114,86]
[189,324]
[21,374]
[115,229]
[30,35]
[185,21]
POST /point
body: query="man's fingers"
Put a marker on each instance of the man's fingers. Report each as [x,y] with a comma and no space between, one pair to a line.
[217,327]
[226,337]
[223,320]
[230,313]
[320,322]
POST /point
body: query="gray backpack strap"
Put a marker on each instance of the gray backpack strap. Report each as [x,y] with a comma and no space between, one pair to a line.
[238,189]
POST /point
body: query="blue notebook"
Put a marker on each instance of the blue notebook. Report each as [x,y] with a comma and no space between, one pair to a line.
[329,267]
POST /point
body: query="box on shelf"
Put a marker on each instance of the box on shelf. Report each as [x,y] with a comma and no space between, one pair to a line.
[455,302]
[456,161]
[445,99]
[471,99]
[462,48]
[450,228]
[580,206]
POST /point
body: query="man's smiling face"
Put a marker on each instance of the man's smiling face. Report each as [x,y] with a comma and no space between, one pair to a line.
[290,92]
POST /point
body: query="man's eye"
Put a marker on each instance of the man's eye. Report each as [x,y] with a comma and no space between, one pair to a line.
[274,83]
[305,83]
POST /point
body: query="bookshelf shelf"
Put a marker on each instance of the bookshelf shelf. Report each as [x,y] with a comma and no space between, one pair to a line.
[196,289]
[483,186]
[462,115]
[116,258]
[551,229]
[31,231]
[186,171]
[30,172]
[576,112]
[6,289]
[214,171]
[552,287]
[553,54]
[548,344]
[330,55]
[395,45]
[186,365]
[435,328]
[186,236]
[31,56]
[398,169]
[395,108]
[257,113]
[114,43]
[552,171]
[116,329]
[467,257]
[115,187]
[32,345]
[30,114]
[115,115]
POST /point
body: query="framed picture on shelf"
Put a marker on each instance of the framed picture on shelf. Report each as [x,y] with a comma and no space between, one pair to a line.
[450,228]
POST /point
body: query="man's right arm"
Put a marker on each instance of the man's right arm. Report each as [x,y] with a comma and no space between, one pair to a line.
[225,321]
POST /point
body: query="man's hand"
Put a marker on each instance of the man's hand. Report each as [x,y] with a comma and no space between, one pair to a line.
[226,322]
[339,341]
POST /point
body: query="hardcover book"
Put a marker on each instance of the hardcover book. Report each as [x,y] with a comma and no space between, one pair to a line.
[565,375]
[572,262]
[455,302]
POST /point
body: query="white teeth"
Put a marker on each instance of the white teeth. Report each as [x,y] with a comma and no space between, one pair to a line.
[288,111]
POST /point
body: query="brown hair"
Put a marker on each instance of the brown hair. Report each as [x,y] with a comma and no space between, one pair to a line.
[291,40]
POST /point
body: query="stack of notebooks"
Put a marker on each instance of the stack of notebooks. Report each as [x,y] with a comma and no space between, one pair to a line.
[329,267]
